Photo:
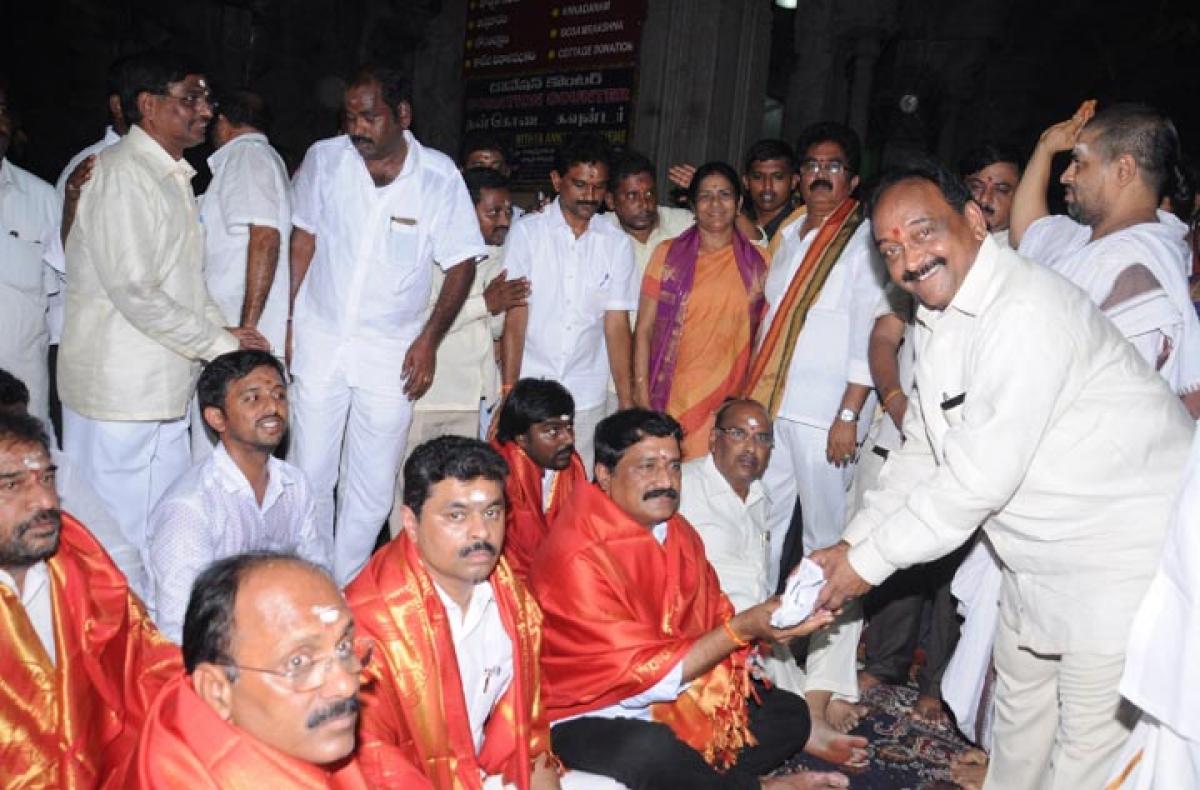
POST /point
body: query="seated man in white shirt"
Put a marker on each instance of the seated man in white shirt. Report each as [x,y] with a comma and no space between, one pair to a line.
[241,498]
[575,328]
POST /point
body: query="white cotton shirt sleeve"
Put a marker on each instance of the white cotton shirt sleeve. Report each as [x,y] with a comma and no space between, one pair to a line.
[249,194]
[455,233]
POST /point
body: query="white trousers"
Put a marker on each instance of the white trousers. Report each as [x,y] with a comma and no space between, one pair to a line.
[586,421]
[428,425]
[128,463]
[1057,725]
[350,420]
[798,469]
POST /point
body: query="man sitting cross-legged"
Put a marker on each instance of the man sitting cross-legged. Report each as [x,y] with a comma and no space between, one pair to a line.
[536,438]
[645,661]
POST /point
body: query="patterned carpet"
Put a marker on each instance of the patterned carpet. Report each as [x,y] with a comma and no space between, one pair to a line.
[905,753]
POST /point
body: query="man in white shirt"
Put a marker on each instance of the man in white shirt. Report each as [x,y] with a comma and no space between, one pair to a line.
[247,218]
[1132,259]
[373,211]
[1034,414]
[992,173]
[241,498]
[27,225]
[584,281]
[139,320]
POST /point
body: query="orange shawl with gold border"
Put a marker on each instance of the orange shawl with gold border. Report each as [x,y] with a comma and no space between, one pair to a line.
[413,706]
[621,611]
[69,726]
[526,525]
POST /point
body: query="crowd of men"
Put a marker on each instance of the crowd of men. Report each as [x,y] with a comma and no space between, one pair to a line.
[962,410]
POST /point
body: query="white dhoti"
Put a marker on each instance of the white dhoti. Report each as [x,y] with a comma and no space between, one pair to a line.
[1156,758]
[965,686]
[428,425]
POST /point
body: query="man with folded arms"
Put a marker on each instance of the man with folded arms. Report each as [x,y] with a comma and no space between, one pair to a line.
[270,698]
[645,661]
[81,661]
[536,438]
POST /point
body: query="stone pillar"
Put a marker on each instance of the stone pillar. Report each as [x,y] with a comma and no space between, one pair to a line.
[810,82]
[866,53]
[437,79]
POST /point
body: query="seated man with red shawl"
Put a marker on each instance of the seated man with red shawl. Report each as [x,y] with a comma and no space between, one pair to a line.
[536,438]
[80,662]
[271,696]
[644,660]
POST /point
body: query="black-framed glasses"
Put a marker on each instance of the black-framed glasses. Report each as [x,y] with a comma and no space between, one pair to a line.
[309,673]
[762,439]
[833,167]
[193,100]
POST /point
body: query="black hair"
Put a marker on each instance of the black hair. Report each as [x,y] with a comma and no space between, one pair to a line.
[832,132]
[481,178]
[532,400]
[1144,133]
[393,83]
[151,72]
[987,154]
[618,432]
[246,108]
[714,168]
[582,148]
[766,150]
[22,428]
[208,622]
[479,140]
[629,163]
[949,183]
[218,374]
[1183,192]
[13,391]
[445,457]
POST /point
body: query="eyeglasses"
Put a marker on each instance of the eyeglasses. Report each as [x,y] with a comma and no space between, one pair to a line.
[741,435]
[308,673]
[832,167]
[194,100]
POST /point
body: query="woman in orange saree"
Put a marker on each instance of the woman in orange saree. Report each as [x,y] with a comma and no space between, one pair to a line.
[699,312]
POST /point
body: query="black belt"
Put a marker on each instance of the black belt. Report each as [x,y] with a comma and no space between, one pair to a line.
[882,452]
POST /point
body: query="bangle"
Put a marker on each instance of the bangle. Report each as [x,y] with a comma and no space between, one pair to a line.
[737,640]
[887,396]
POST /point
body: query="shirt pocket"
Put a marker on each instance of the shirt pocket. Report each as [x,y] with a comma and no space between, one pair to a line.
[403,243]
[599,286]
[21,263]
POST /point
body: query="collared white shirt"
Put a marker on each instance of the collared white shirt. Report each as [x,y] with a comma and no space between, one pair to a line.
[372,270]
[56,256]
[484,653]
[1033,413]
[466,370]
[139,320]
[574,282]
[736,539]
[39,607]
[27,226]
[831,350]
[671,222]
[211,513]
[249,187]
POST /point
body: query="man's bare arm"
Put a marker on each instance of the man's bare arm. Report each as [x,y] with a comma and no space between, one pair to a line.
[262,259]
[619,342]
[420,362]
[512,343]
[886,336]
[1029,200]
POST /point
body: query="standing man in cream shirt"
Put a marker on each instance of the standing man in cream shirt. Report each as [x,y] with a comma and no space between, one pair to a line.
[139,320]
[1034,414]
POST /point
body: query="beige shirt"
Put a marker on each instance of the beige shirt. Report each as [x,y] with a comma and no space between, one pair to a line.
[139,320]
[1034,413]
[671,222]
[466,364]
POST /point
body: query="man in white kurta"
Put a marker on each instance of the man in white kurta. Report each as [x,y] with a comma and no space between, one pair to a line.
[1032,412]
[373,211]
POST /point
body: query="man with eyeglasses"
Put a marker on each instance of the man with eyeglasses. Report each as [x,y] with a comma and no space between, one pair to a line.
[810,370]
[536,438]
[81,660]
[270,695]
[139,319]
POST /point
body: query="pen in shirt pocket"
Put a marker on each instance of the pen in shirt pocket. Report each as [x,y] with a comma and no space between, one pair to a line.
[604,281]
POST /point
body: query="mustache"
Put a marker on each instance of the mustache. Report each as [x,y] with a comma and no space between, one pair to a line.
[333,711]
[592,203]
[749,458]
[358,139]
[40,519]
[821,182]
[987,209]
[669,493]
[911,276]
[479,545]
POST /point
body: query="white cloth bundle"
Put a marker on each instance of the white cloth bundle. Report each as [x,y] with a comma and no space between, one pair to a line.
[800,595]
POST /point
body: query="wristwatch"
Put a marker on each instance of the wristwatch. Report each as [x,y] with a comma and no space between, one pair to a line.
[848,415]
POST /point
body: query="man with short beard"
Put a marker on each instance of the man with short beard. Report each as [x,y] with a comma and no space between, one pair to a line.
[241,498]
[81,661]
[536,437]
[270,698]
[373,212]
[992,173]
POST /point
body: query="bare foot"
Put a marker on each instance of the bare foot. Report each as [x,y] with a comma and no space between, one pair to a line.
[930,709]
[835,747]
[867,681]
[844,716]
[806,780]
[969,769]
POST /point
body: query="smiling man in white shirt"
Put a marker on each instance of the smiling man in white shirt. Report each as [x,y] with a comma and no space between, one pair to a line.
[1033,413]
[373,211]
[584,285]
[241,498]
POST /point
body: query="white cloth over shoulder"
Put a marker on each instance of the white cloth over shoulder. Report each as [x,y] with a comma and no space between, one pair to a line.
[800,596]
